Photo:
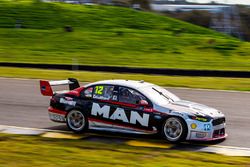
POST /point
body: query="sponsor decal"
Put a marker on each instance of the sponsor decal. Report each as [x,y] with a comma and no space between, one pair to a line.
[69,102]
[157,117]
[201,119]
[68,98]
[207,127]
[193,126]
[201,134]
[114,98]
[56,117]
[177,113]
[43,88]
[119,114]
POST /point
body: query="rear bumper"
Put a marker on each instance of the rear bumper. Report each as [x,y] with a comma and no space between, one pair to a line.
[57,115]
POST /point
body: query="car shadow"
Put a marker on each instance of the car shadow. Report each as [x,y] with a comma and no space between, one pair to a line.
[59,127]
[118,137]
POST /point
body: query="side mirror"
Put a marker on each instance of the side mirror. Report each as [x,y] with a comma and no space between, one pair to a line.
[143,103]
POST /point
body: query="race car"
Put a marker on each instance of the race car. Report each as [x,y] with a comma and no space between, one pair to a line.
[132,107]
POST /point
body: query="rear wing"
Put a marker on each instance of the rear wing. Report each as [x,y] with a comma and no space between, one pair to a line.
[46,86]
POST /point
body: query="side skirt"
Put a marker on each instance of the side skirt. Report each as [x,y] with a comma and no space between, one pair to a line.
[116,128]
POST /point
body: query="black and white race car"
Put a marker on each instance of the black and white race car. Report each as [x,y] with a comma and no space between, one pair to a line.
[132,107]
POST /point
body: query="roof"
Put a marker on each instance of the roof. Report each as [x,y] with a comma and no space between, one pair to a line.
[128,83]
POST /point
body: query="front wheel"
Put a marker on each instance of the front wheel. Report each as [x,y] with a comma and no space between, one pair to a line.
[174,129]
[77,121]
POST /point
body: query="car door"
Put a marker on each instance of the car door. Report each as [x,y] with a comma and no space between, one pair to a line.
[137,116]
[102,104]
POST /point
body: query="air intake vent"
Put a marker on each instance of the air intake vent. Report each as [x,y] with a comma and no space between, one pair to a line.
[219,121]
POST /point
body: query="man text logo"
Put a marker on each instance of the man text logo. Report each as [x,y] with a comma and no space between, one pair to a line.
[119,114]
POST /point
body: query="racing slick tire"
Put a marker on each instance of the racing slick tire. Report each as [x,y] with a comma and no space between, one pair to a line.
[77,121]
[174,129]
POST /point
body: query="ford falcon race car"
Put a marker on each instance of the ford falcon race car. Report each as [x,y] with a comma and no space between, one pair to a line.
[132,107]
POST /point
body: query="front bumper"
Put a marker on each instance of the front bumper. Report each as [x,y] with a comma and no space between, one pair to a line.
[205,131]
[209,139]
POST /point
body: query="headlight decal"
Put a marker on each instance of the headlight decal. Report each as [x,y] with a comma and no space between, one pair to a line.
[199,118]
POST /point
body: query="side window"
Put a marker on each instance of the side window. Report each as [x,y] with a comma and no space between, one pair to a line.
[88,92]
[104,92]
[131,96]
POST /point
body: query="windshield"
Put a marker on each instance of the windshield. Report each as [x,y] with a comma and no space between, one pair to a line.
[159,95]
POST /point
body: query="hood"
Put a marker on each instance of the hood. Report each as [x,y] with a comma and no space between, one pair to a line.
[194,108]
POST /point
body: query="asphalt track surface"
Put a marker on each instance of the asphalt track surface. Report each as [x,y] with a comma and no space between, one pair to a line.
[21,104]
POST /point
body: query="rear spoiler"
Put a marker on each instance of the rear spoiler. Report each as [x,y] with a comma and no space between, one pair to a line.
[46,86]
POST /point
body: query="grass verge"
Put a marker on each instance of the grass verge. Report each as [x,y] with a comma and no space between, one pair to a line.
[25,151]
[242,84]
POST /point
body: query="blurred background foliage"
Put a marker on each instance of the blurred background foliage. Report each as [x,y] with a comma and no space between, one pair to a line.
[203,18]
[38,32]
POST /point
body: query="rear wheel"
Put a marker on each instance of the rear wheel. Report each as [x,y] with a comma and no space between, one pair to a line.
[77,121]
[174,129]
